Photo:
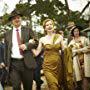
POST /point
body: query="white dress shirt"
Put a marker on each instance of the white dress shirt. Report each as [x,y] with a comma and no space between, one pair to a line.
[15,48]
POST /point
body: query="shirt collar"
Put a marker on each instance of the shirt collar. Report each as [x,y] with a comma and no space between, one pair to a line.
[19,28]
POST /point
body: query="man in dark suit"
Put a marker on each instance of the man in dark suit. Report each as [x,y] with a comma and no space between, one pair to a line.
[2,65]
[18,56]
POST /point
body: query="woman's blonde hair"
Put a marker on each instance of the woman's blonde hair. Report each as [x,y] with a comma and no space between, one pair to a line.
[45,21]
[44,24]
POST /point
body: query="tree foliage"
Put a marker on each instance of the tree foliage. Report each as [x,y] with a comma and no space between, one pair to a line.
[5,19]
[53,9]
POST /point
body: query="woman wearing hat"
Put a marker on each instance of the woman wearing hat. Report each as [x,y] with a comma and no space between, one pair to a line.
[79,42]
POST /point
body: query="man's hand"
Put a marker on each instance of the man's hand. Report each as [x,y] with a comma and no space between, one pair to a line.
[32,41]
[2,65]
[22,47]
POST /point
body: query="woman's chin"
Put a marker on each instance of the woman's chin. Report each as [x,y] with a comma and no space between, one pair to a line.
[50,30]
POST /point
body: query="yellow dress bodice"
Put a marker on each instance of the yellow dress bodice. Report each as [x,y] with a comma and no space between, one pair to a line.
[51,57]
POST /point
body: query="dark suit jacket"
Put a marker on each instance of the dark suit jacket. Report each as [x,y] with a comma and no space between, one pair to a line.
[26,34]
[2,46]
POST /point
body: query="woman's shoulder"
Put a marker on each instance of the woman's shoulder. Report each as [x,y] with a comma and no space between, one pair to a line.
[58,36]
[83,37]
[42,39]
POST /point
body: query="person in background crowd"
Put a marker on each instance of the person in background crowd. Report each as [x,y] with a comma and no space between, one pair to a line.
[19,59]
[79,42]
[69,28]
[2,64]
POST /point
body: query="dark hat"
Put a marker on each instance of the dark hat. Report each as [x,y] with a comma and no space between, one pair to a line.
[14,14]
[78,27]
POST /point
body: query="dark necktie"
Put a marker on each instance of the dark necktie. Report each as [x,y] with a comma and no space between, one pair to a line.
[19,40]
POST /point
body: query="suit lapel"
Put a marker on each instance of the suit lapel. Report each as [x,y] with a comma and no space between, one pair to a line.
[24,35]
[9,38]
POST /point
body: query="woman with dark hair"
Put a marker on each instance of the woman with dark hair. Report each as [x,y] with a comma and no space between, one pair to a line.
[79,29]
[79,43]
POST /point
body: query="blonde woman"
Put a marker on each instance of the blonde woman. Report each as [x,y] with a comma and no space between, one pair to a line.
[51,43]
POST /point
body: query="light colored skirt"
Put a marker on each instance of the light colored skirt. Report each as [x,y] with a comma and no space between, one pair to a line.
[76,67]
[87,65]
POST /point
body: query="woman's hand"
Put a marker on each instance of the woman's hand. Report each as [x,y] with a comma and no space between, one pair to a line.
[32,41]
[34,52]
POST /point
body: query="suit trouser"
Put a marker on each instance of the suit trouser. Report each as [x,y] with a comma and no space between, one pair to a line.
[19,73]
[1,87]
[37,74]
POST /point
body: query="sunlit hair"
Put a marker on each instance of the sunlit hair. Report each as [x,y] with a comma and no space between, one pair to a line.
[44,24]
[45,21]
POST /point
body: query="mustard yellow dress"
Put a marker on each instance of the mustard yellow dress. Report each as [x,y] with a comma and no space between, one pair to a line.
[52,65]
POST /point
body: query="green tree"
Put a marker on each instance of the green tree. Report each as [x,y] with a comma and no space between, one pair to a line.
[53,9]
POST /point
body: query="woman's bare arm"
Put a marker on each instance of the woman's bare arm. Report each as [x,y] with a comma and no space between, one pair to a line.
[37,51]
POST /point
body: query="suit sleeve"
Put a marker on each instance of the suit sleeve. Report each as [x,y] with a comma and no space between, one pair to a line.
[31,36]
[1,56]
[5,51]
